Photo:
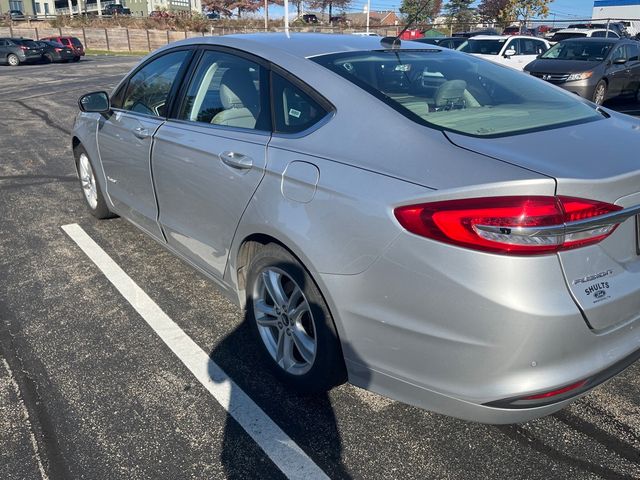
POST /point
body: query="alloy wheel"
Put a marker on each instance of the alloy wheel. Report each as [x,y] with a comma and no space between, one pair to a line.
[285,321]
[13,60]
[598,97]
[88,181]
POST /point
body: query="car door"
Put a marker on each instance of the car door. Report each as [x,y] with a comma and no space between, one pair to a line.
[617,74]
[208,160]
[125,137]
[633,52]
[4,49]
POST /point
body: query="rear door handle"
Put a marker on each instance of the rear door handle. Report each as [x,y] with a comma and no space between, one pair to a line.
[236,160]
[141,132]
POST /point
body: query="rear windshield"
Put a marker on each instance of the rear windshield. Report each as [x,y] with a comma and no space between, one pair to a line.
[484,47]
[27,43]
[558,37]
[457,92]
[572,50]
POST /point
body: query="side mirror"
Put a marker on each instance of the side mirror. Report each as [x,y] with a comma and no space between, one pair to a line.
[97,102]
[509,53]
[620,61]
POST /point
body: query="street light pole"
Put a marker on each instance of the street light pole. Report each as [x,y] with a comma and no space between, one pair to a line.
[286,17]
[368,12]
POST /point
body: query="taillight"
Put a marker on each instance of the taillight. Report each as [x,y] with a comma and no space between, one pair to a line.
[22,47]
[531,225]
[58,49]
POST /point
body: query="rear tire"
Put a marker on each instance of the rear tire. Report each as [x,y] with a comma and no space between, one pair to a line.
[13,60]
[292,322]
[92,193]
[48,58]
[600,93]
[76,59]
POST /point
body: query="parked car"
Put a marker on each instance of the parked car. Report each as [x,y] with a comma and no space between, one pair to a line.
[618,27]
[486,31]
[70,42]
[212,15]
[632,27]
[512,30]
[366,34]
[309,18]
[514,51]
[161,14]
[15,51]
[567,33]
[446,42]
[116,9]
[595,68]
[490,272]
[55,52]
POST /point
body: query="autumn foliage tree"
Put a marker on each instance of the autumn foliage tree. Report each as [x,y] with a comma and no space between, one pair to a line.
[226,7]
[504,12]
[412,9]
[459,14]
[329,4]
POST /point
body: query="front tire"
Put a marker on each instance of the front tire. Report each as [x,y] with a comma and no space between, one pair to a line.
[292,322]
[92,193]
[13,60]
[600,93]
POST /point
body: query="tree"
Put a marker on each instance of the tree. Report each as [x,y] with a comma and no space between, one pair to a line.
[410,9]
[324,4]
[459,14]
[504,12]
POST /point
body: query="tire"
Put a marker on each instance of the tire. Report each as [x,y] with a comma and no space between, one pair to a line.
[48,58]
[13,60]
[299,342]
[600,93]
[76,59]
[92,193]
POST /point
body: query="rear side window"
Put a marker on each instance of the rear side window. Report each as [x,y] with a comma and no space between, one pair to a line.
[148,89]
[75,42]
[633,51]
[294,110]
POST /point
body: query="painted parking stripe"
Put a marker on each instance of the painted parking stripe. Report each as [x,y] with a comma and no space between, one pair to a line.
[281,449]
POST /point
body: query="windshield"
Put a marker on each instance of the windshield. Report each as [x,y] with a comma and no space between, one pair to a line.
[484,47]
[457,92]
[572,50]
[27,43]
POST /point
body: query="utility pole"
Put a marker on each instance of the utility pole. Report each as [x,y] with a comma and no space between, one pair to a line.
[286,17]
[99,8]
[70,8]
[368,12]
[266,15]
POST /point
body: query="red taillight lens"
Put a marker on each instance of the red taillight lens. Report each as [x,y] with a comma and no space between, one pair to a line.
[58,49]
[510,225]
[22,47]
[554,393]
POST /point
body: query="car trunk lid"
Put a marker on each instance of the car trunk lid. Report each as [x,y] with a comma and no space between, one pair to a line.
[597,161]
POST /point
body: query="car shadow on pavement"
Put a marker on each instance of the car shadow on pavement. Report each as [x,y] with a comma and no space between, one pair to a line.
[309,420]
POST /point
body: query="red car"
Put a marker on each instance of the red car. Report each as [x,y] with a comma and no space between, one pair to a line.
[72,42]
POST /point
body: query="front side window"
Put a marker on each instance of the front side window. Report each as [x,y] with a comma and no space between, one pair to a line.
[148,89]
[619,54]
[458,93]
[294,110]
[633,52]
[228,90]
[578,50]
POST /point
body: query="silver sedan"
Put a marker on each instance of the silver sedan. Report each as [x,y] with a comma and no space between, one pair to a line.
[427,225]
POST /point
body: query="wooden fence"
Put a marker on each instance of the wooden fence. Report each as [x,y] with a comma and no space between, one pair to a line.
[128,39]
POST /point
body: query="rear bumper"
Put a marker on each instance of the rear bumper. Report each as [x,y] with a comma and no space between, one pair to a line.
[457,332]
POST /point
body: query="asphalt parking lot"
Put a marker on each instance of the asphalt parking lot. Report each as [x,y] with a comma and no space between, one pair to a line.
[89,390]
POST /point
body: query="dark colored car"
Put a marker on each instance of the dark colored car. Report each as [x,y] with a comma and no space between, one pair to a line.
[594,68]
[55,52]
[16,15]
[489,31]
[15,51]
[446,42]
[309,18]
[116,9]
[212,15]
[71,42]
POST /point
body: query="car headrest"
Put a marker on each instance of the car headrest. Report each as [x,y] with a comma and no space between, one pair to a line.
[237,90]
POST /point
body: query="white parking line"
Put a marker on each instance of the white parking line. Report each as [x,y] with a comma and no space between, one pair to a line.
[281,449]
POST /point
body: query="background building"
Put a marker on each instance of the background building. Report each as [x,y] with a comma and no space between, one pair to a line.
[31,8]
[622,9]
[140,8]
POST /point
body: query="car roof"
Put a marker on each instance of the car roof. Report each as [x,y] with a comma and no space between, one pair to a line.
[583,30]
[503,37]
[303,45]
[594,39]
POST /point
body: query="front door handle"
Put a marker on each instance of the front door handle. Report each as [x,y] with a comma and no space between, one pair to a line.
[236,160]
[141,132]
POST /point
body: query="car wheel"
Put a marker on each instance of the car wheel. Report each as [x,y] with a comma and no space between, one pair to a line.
[292,322]
[13,60]
[600,92]
[76,59]
[48,58]
[90,186]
